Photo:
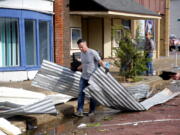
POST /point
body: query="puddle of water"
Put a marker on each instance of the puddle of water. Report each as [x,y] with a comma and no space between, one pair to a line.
[67,125]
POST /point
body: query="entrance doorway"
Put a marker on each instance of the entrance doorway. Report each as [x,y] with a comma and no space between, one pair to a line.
[92,31]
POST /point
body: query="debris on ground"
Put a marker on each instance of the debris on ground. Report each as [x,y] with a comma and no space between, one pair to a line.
[108,92]
[44,106]
[20,102]
[6,128]
[82,125]
[103,88]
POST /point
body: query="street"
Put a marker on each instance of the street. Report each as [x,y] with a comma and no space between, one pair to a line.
[162,119]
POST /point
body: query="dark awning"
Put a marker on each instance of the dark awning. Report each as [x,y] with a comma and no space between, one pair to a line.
[111,7]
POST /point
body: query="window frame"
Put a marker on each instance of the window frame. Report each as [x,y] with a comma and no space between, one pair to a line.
[50,39]
[18,30]
[35,37]
[77,28]
[115,32]
[21,15]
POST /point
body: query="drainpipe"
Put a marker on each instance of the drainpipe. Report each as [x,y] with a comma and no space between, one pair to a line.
[158,36]
[167,26]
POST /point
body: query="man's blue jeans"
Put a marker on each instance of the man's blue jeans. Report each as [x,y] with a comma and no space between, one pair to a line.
[92,106]
[149,64]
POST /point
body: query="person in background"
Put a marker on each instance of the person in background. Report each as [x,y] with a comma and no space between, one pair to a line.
[149,48]
[89,63]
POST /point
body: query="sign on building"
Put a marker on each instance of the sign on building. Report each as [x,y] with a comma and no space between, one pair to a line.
[45,6]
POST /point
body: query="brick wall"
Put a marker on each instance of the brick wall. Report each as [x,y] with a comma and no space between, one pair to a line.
[66,40]
[61,32]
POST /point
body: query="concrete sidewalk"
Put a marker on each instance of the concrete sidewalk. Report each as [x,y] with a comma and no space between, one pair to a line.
[163,63]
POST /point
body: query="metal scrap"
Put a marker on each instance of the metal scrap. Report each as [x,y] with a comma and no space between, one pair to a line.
[44,106]
[103,88]
[57,78]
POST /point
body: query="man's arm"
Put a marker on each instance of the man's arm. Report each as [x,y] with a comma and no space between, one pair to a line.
[101,63]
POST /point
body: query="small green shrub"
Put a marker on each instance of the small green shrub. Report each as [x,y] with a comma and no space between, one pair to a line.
[132,62]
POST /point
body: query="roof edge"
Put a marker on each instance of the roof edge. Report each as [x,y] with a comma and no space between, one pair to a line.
[125,14]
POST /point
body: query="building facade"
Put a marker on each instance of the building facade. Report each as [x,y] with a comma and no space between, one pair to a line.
[162,26]
[26,37]
[31,31]
[175,18]
[95,21]
[96,27]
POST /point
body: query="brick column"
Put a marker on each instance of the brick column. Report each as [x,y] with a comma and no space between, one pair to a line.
[61,32]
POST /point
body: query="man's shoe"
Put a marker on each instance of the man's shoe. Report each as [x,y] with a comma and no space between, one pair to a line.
[78,114]
[91,113]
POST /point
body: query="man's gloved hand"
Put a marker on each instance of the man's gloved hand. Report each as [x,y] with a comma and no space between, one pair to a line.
[74,65]
[106,70]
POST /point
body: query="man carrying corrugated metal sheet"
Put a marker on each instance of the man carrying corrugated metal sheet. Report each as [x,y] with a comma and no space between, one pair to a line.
[89,63]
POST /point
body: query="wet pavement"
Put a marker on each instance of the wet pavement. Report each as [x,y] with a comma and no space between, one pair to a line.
[68,124]
[162,119]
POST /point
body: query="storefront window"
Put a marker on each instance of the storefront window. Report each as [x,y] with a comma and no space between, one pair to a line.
[9,42]
[30,42]
[25,39]
[44,40]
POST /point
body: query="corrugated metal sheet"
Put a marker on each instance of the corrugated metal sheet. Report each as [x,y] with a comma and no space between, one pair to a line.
[10,96]
[139,91]
[44,106]
[103,87]
[159,98]
[56,78]
[108,92]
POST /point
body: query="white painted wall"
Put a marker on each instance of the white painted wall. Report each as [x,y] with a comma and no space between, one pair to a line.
[75,21]
[174,15]
[107,38]
[35,5]
[16,76]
